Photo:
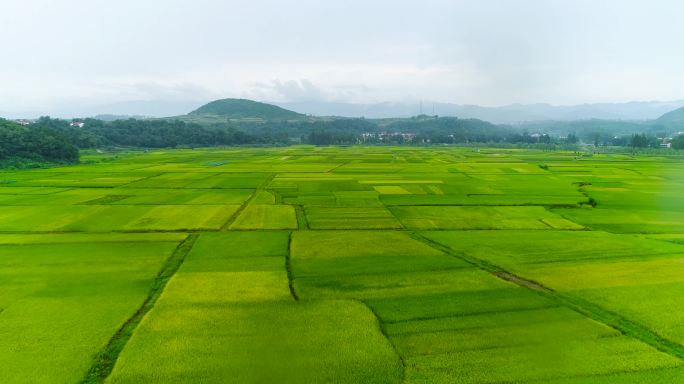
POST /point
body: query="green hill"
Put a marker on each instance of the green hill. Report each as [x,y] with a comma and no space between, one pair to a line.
[244,109]
[676,116]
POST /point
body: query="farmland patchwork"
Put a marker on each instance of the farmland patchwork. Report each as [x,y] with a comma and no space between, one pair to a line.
[346,265]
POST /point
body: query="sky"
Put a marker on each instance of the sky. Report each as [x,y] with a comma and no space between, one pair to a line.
[61,54]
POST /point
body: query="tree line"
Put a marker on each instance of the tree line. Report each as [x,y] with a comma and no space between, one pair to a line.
[21,144]
[57,140]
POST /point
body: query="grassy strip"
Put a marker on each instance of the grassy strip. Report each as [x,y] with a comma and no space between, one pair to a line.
[586,308]
[302,222]
[624,325]
[288,269]
[104,362]
[106,200]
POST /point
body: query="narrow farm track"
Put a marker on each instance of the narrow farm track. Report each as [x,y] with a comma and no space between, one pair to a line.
[588,309]
[104,362]
[288,269]
[151,176]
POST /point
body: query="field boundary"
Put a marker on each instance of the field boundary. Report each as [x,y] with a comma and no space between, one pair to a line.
[288,269]
[389,340]
[104,361]
[246,203]
[581,306]
[302,220]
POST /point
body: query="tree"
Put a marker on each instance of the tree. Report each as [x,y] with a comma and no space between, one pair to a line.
[639,141]
[678,142]
[572,139]
[35,142]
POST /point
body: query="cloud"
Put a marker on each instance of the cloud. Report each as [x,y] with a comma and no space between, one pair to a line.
[304,90]
[156,91]
[464,51]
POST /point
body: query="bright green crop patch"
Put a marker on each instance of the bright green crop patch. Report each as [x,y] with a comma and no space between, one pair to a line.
[102,239]
[327,253]
[534,362]
[424,217]
[261,216]
[507,248]
[487,198]
[520,318]
[172,180]
[357,199]
[234,180]
[98,218]
[500,299]
[284,342]
[230,245]
[653,305]
[662,375]
[226,287]
[160,196]
[451,341]
[609,273]
[627,220]
[396,284]
[227,316]
[351,218]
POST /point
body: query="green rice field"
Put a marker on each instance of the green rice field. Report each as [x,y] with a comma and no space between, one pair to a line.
[344,265]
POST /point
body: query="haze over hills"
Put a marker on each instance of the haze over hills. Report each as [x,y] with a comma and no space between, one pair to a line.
[255,116]
[148,108]
[234,109]
[260,118]
[676,116]
[509,114]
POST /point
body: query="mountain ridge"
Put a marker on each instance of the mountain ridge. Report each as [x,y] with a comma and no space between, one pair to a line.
[676,116]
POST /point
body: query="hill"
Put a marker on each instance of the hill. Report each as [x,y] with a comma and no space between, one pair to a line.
[676,116]
[244,109]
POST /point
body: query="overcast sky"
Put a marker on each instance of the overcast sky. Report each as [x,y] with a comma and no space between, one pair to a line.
[490,52]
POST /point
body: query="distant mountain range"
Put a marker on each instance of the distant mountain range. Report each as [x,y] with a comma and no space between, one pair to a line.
[133,108]
[241,111]
[510,114]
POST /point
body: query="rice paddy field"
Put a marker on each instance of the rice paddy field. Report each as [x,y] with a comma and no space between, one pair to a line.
[344,265]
